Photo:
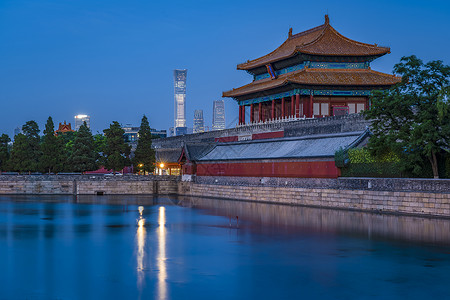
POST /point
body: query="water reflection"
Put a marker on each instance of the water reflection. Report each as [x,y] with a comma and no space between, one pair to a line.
[161,258]
[269,218]
[140,240]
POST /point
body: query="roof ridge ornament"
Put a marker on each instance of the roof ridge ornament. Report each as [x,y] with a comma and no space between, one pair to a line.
[327,20]
[290,33]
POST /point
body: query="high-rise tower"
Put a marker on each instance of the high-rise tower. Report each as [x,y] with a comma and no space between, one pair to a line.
[80,119]
[199,124]
[179,77]
[218,115]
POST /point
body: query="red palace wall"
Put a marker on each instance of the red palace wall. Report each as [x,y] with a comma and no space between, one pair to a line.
[310,169]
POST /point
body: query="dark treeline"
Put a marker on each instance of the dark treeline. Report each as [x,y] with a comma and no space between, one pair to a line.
[79,151]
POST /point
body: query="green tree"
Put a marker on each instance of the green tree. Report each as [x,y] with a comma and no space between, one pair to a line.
[116,151]
[144,156]
[99,146]
[53,156]
[19,154]
[83,156]
[32,147]
[412,118]
[4,153]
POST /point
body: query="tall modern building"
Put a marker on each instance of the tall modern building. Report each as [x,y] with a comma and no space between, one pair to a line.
[179,77]
[80,119]
[218,115]
[199,124]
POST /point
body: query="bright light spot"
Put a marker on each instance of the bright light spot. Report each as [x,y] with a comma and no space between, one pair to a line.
[161,165]
[141,210]
[80,116]
[141,222]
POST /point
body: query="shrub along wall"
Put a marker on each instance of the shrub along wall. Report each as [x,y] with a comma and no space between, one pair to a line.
[359,162]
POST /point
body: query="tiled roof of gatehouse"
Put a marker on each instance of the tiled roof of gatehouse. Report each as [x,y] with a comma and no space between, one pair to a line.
[319,77]
[322,40]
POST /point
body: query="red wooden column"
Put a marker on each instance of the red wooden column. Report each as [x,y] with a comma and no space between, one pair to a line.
[282,108]
[311,106]
[243,115]
[293,106]
[297,105]
[240,115]
[273,109]
[251,113]
[260,112]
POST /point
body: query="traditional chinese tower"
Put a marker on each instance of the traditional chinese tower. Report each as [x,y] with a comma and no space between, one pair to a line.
[64,128]
[315,73]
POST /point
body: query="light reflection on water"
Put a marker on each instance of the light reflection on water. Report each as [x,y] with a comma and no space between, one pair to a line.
[162,271]
[140,256]
[193,248]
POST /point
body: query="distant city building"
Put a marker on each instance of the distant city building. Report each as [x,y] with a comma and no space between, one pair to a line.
[80,119]
[17,130]
[131,133]
[199,124]
[64,128]
[171,131]
[179,77]
[218,115]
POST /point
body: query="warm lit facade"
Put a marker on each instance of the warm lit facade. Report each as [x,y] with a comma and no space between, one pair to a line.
[315,73]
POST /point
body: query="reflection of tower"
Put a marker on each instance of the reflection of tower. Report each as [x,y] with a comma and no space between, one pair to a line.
[218,115]
[162,275]
[199,124]
[179,77]
[140,240]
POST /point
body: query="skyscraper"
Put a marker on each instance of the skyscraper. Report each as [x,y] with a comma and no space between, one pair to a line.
[199,124]
[80,119]
[179,77]
[218,115]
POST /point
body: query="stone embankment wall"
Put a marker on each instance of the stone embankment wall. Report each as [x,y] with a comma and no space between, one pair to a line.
[430,197]
[406,196]
[87,184]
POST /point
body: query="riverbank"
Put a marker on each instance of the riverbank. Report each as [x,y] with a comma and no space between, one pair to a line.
[425,197]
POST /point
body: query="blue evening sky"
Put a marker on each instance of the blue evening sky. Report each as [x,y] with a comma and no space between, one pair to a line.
[114,60]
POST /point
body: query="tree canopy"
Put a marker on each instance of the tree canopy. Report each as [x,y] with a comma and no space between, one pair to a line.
[84,156]
[116,151]
[4,151]
[53,156]
[412,118]
[144,156]
[26,151]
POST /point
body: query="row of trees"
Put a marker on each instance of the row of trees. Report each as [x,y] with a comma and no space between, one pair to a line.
[412,119]
[75,152]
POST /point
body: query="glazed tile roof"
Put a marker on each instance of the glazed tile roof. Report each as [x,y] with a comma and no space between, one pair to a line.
[322,77]
[284,148]
[322,40]
[167,155]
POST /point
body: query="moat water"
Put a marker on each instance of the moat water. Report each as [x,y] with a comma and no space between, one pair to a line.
[64,247]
